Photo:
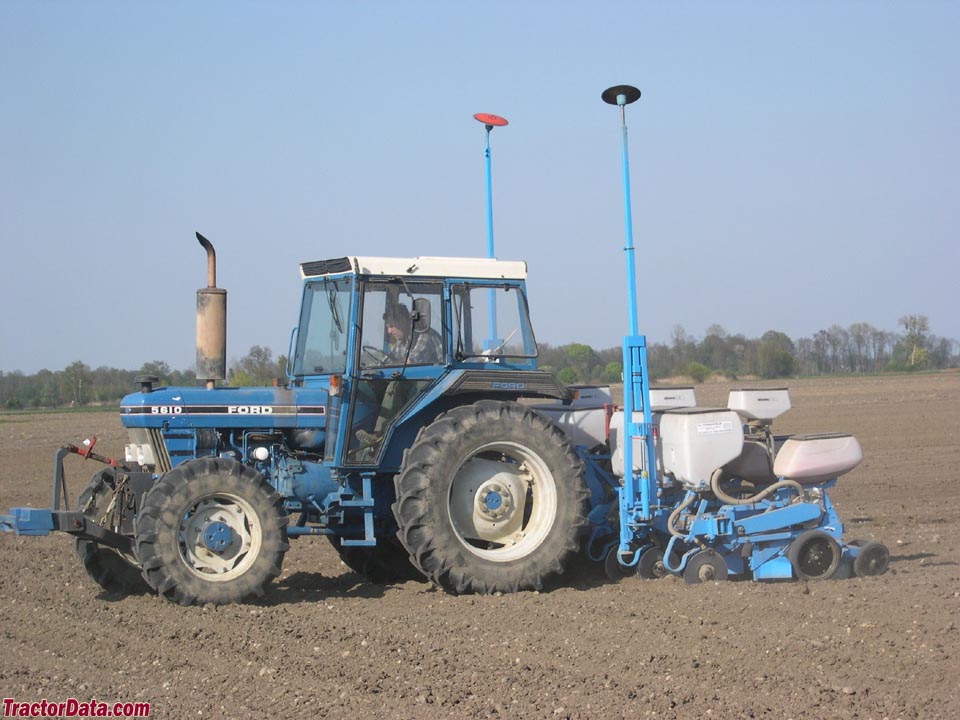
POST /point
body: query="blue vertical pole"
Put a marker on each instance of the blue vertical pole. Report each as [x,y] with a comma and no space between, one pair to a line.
[629,485]
[491,294]
[635,394]
[490,122]
[628,218]
[489,195]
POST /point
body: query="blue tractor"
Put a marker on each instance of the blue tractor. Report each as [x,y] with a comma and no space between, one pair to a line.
[398,435]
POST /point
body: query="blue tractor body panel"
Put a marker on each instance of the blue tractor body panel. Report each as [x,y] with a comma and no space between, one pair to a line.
[234,407]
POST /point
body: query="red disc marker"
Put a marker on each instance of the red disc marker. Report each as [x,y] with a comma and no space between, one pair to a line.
[489,119]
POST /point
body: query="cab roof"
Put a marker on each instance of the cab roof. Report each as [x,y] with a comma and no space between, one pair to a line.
[454,267]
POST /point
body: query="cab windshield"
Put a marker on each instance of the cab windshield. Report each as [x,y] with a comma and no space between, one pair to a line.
[322,338]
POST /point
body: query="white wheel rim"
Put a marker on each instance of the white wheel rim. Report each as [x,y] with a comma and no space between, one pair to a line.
[525,511]
[245,537]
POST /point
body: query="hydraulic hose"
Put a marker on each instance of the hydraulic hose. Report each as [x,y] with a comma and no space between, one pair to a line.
[676,513]
[730,500]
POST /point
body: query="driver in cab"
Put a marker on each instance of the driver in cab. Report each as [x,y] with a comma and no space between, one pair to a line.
[426,348]
[406,346]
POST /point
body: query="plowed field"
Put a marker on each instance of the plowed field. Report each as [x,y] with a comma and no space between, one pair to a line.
[324,643]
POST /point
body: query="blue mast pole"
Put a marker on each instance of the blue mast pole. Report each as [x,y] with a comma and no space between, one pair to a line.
[491,293]
[490,121]
[635,388]
[486,155]
[628,219]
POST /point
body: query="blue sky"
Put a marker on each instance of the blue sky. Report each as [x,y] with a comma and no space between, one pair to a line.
[794,165]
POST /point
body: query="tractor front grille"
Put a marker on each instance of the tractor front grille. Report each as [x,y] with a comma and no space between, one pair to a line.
[159,450]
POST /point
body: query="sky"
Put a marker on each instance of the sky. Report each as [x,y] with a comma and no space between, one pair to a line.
[793,165]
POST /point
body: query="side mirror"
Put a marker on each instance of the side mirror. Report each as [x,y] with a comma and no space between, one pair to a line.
[421,315]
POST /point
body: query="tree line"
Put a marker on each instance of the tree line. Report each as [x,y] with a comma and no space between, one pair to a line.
[859,348]
[78,384]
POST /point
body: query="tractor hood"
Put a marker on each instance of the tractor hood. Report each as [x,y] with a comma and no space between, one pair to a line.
[225,407]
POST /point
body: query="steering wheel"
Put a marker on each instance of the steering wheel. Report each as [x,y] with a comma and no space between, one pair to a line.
[375,354]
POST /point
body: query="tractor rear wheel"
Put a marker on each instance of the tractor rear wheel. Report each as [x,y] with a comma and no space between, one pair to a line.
[211,531]
[384,564]
[490,498]
[115,572]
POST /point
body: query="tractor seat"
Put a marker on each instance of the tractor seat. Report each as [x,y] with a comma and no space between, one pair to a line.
[811,459]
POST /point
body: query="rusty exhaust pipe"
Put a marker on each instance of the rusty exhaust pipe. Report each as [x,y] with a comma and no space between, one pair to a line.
[211,261]
[211,324]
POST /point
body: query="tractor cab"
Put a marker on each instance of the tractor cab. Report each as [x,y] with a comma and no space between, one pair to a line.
[393,340]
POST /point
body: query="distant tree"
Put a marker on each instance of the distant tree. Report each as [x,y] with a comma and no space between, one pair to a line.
[806,357]
[568,376]
[583,358]
[698,372]
[939,352]
[838,339]
[158,369]
[659,361]
[775,355]
[182,378]
[916,327]
[74,378]
[612,372]
[255,368]
[745,350]
[717,351]
[880,341]
[715,330]
[550,358]
[682,345]
[48,390]
[821,351]
[773,362]
[860,344]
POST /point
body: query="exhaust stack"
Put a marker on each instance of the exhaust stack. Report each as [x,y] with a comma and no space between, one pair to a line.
[211,324]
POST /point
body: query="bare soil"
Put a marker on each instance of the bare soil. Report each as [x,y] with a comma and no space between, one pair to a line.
[325,643]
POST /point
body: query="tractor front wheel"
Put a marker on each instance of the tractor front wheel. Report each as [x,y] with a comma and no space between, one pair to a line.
[211,531]
[490,498]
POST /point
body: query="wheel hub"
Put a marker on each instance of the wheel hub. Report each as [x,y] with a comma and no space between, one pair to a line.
[217,536]
[494,501]
[488,500]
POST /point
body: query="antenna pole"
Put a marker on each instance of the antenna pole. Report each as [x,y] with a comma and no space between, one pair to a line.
[636,389]
[628,218]
[621,96]
[489,195]
[489,122]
